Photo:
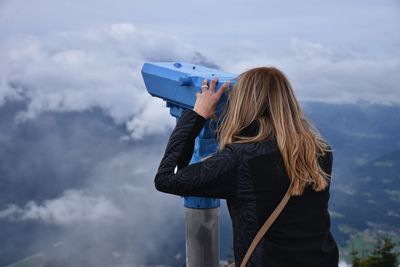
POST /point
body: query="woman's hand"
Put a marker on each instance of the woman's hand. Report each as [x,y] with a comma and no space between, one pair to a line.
[207,100]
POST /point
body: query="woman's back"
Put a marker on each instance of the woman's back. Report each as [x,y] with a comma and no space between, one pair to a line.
[300,236]
[263,139]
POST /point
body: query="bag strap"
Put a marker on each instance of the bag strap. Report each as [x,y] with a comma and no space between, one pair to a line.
[266,226]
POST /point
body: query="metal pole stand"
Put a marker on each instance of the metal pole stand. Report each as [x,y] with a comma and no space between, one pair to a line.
[202,232]
[202,217]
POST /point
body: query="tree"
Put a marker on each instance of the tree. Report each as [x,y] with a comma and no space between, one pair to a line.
[383,254]
[355,259]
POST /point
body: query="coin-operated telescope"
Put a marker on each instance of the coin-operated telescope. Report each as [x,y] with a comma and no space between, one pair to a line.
[177,83]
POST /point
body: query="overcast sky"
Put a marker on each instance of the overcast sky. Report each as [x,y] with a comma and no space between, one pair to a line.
[74,55]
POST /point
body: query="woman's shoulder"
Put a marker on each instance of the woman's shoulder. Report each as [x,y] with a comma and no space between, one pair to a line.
[270,143]
[252,149]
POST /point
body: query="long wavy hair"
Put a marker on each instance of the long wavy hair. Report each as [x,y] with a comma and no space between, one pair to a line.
[265,95]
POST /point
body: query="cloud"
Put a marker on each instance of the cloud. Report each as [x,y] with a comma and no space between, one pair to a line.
[100,66]
[69,178]
[74,206]
[319,73]
[307,50]
[95,67]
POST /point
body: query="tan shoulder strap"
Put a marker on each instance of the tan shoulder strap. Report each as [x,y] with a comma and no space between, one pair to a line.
[266,226]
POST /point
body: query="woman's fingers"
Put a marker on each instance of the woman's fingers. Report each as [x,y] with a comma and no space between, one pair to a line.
[212,84]
[207,99]
[223,88]
[204,84]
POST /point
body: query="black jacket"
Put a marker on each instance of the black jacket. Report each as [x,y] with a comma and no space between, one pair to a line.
[252,179]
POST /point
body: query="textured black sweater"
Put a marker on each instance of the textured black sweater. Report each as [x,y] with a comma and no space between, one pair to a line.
[252,179]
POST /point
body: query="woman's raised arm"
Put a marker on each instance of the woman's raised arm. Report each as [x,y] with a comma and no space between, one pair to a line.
[213,177]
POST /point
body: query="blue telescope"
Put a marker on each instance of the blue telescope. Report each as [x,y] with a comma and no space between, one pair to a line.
[177,83]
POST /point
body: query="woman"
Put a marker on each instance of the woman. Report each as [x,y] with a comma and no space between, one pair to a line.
[265,141]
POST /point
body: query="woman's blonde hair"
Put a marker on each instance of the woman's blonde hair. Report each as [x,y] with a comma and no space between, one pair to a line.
[265,95]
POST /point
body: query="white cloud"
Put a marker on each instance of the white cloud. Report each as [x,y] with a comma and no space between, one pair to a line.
[72,207]
[307,50]
[97,67]
[56,68]
[160,119]
[318,73]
